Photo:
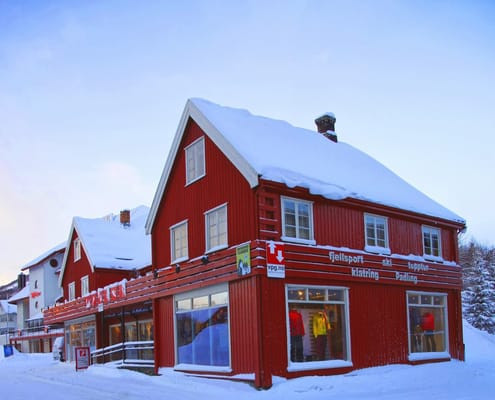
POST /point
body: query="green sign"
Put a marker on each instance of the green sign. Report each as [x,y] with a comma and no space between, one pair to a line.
[243,259]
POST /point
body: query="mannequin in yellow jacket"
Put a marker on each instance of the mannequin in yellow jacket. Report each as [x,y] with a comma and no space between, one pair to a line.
[321,327]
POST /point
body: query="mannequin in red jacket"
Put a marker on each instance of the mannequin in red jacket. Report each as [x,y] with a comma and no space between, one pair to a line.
[428,326]
[296,334]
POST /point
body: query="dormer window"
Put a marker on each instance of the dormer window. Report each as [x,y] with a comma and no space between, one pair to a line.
[195,161]
[77,250]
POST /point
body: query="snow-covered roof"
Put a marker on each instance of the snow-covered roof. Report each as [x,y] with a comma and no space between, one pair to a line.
[7,308]
[45,255]
[274,150]
[20,295]
[108,244]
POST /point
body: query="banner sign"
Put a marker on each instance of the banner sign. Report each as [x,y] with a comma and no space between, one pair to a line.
[275,257]
[243,259]
[108,294]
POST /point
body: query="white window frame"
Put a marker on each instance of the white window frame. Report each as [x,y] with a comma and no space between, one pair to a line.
[173,251]
[376,248]
[77,249]
[327,363]
[209,213]
[297,239]
[197,151]
[72,291]
[429,230]
[207,291]
[445,307]
[84,285]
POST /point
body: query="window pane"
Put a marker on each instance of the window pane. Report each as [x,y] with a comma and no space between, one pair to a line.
[219,298]
[426,299]
[427,327]
[296,293]
[184,305]
[316,294]
[335,295]
[200,302]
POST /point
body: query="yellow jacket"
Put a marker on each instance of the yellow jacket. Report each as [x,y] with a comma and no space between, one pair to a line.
[320,324]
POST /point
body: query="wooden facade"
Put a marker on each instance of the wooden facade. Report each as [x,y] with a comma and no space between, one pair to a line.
[376,296]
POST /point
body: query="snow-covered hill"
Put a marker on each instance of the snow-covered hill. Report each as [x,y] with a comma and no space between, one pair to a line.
[25,377]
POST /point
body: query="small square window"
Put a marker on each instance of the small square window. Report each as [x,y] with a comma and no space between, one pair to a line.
[297,220]
[195,161]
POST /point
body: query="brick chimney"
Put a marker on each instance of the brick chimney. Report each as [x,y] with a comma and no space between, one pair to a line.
[326,126]
[125,217]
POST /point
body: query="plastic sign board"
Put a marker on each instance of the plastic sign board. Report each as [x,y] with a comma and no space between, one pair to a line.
[83,357]
[243,259]
[275,260]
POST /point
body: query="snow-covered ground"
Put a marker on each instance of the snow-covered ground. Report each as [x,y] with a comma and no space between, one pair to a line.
[35,376]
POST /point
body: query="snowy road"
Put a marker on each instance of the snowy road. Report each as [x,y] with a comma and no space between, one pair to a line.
[35,376]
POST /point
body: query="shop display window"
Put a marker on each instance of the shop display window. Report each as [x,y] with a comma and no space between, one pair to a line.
[317,324]
[202,329]
[427,319]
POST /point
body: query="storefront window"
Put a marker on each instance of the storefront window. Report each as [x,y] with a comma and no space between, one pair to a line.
[318,324]
[202,332]
[80,334]
[427,322]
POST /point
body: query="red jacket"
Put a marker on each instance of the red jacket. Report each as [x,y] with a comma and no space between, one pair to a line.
[296,323]
[428,322]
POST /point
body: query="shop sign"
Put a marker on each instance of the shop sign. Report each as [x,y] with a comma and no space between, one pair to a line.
[243,259]
[83,357]
[108,294]
[275,257]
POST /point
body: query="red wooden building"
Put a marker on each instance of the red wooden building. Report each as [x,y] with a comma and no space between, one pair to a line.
[102,255]
[279,251]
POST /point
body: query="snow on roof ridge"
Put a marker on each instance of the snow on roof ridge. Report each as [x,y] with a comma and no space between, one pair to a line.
[46,254]
[300,157]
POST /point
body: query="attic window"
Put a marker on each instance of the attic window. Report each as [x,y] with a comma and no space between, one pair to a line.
[77,250]
[53,262]
[195,161]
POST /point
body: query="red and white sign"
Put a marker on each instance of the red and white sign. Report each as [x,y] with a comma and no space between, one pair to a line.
[83,357]
[275,260]
[275,253]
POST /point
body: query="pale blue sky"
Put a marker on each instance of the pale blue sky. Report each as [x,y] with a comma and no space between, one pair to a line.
[91,93]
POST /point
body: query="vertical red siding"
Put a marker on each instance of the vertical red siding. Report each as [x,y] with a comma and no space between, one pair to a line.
[222,183]
[243,323]
[163,325]
[338,226]
[378,323]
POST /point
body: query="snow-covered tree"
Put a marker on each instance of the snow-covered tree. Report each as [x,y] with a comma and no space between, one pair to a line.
[478,264]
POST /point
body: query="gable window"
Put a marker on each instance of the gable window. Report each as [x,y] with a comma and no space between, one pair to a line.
[432,243]
[195,161]
[297,220]
[216,228]
[178,242]
[84,285]
[77,249]
[72,291]
[376,234]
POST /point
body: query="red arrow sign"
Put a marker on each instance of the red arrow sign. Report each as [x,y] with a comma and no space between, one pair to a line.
[274,253]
